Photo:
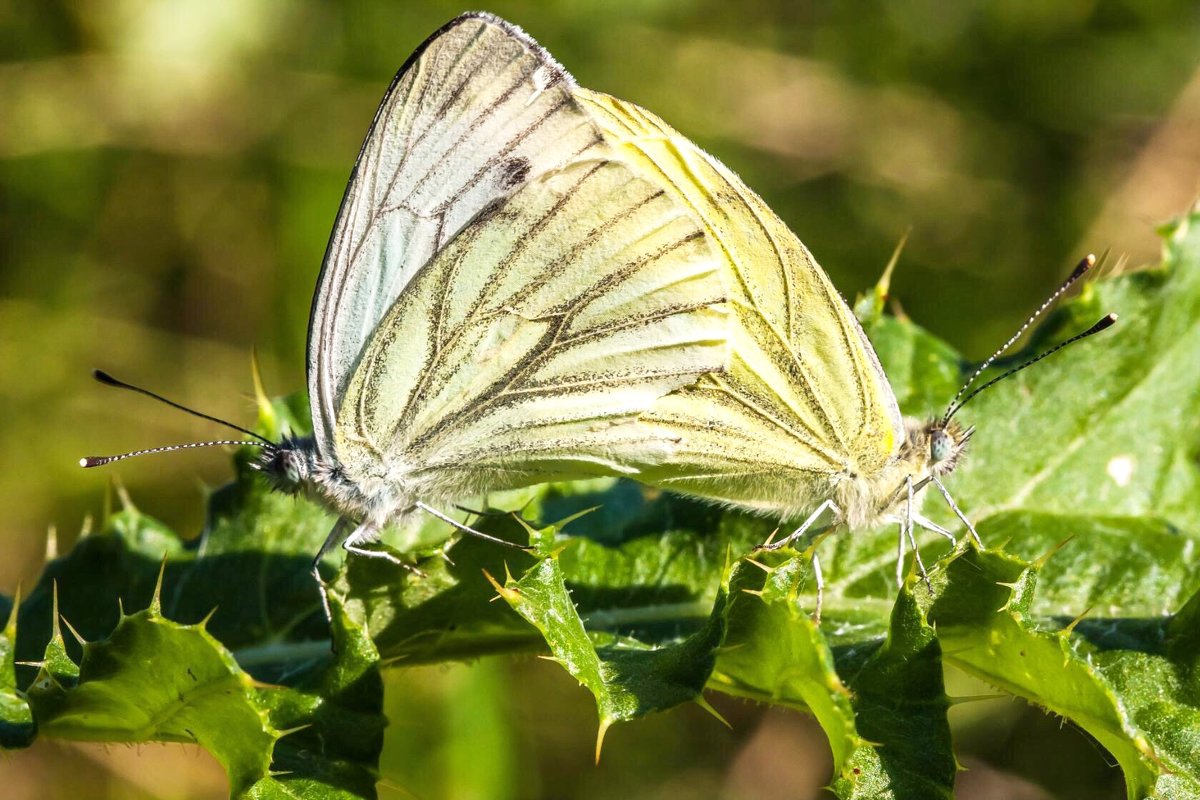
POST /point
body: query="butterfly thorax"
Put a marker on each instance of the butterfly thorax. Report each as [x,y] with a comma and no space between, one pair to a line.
[295,466]
[930,449]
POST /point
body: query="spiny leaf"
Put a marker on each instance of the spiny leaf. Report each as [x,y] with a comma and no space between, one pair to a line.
[900,705]
[332,719]
[628,677]
[1120,679]
[157,680]
[16,718]
[775,653]
[879,698]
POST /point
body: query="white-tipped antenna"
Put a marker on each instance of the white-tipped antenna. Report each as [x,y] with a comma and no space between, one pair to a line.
[1105,322]
[100,461]
[109,380]
[1080,270]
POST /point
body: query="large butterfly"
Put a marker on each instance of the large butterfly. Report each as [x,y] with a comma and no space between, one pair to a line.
[502,296]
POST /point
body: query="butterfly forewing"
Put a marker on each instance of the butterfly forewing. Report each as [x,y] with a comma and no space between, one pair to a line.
[477,111]
[529,346]
[804,397]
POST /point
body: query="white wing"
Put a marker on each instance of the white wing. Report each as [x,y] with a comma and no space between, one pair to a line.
[476,111]
[527,348]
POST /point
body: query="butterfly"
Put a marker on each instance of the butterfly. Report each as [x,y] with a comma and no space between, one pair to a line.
[502,295]
[499,294]
[802,421]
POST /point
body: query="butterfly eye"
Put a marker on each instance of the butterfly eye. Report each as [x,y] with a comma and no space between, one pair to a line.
[940,445]
[286,467]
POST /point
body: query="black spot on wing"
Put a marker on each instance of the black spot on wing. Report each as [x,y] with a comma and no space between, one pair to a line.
[513,172]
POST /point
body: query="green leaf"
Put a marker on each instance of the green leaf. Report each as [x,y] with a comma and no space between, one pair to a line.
[153,679]
[1115,677]
[16,718]
[629,677]
[333,715]
[156,680]
[148,676]
[900,705]
[877,692]
[775,653]
[1107,427]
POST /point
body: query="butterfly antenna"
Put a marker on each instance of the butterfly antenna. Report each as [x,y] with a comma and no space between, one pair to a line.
[100,461]
[1080,270]
[108,380]
[1104,323]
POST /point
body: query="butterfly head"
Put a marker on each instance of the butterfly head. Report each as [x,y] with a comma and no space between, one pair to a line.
[290,466]
[295,466]
[932,449]
[947,443]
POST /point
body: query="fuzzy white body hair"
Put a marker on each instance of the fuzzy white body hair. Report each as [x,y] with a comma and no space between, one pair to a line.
[386,491]
[869,500]
[373,501]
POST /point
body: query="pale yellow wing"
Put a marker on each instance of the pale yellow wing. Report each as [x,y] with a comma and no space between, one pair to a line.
[476,111]
[528,347]
[804,398]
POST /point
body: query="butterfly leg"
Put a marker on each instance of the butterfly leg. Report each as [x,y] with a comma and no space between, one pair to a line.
[368,533]
[458,525]
[482,512]
[340,533]
[808,523]
[818,576]
[929,525]
[351,540]
[958,513]
[819,579]
[907,528]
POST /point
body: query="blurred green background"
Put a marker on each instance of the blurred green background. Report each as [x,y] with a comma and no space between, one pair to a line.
[170,169]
